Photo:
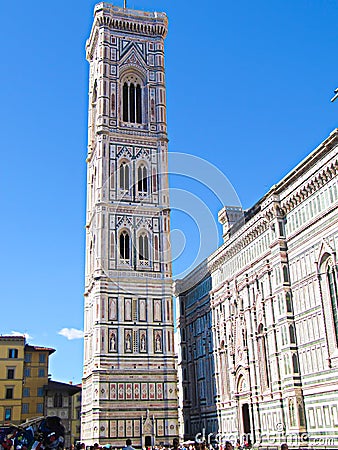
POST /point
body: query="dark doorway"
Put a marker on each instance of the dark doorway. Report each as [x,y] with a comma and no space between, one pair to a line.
[147,441]
[246,419]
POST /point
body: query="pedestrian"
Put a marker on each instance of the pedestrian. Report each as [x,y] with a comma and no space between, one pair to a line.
[246,443]
[284,446]
[229,446]
[128,445]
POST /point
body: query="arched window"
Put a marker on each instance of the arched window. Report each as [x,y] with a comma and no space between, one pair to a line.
[125,95]
[295,363]
[292,413]
[142,179]
[286,274]
[124,245]
[124,176]
[292,334]
[332,285]
[288,302]
[138,104]
[132,100]
[143,247]
[132,103]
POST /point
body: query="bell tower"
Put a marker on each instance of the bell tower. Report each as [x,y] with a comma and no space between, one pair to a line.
[129,375]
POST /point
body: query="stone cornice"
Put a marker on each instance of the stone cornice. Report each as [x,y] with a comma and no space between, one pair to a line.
[269,207]
[127,21]
[304,166]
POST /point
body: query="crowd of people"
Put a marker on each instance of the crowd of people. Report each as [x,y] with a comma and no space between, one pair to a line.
[239,445]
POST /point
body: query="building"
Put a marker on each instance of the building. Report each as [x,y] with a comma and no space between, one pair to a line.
[76,415]
[35,379]
[23,375]
[62,400]
[129,380]
[12,353]
[258,319]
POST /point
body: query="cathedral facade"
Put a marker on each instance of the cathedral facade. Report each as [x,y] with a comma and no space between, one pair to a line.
[129,378]
[258,320]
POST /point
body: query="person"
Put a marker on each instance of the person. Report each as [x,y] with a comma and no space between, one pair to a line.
[229,446]
[246,443]
[284,446]
[238,444]
[128,445]
[176,444]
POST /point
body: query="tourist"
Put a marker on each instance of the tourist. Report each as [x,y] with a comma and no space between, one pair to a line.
[128,445]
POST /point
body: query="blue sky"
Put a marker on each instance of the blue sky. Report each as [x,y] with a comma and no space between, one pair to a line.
[248,89]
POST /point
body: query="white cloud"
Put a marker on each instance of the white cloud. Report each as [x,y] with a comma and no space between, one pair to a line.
[71,333]
[19,333]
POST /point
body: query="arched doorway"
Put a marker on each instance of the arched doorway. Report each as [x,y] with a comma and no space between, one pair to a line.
[244,412]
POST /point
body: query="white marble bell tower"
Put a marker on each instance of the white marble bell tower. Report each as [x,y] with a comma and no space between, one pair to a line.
[129,378]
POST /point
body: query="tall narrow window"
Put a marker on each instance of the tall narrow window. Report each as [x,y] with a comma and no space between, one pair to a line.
[132,103]
[26,392]
[292,334]
[332,284]
[295,364]
[124,176]
[138,104]
[8,414]
[142,184]
[94,96]
[9,393]
[143,247]
[125,102]
[39,408]
[288,302]
[124,245]
[57,400]
[132,100]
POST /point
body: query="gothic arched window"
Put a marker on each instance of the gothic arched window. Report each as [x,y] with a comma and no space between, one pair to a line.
[143,247]
[292,334]
[295,364]
[288,302]
[132,100]
[142,178]
[332,285]
[124,245]
[124,176]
